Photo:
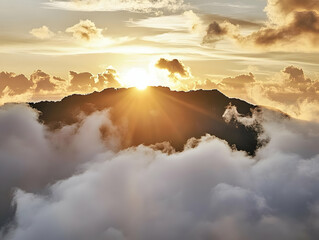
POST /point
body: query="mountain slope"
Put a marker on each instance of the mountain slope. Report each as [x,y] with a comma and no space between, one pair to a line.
[157,115]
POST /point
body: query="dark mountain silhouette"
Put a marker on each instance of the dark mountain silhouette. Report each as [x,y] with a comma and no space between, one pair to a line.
[157,115]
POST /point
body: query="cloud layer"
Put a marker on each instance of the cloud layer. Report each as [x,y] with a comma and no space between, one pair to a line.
[205,192]
[292,25]
[42,86]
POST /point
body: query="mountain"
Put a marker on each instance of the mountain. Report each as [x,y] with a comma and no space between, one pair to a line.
[157,115]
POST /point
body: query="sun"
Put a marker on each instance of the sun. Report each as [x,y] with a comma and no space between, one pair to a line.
[137,77]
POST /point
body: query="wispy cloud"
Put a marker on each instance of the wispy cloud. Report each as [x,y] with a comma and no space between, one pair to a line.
[118,5]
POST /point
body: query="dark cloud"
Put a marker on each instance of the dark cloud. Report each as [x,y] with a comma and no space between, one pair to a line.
[15,84]
[284,7]
[58,79]
[296,77]
[305,25]
[81,81]
[41,86]
[292,25]
[86,82]
[173,66]
[216,31]
[206,192]
[42,81]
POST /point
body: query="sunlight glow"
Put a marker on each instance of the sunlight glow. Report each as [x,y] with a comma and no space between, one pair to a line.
[137,77]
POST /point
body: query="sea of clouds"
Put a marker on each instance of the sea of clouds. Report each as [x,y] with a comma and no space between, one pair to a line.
[74,183]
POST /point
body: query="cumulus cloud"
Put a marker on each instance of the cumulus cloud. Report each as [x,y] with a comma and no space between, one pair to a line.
[109,79]
[292,25]
[291,91]
[85,82]
[206,192]
[43,86]
[144,6]
[85,30]
[42,33]
[42,81]
[31,157]
[81,81]
[174,67]
[14,84]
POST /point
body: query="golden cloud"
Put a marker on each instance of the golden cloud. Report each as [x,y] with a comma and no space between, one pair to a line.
[42,33]
[85,30]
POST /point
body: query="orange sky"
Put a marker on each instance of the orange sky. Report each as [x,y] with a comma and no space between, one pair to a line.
[265,52]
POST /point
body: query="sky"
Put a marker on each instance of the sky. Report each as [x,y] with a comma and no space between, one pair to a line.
[242,48]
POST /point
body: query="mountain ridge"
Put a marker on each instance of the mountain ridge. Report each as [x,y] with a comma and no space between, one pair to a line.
[158,115]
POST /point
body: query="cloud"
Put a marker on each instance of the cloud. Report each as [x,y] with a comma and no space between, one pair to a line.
[14,84]
[292,25]
[302,28]
[216,31]
[240,81]
[85,30]
[85,82]
[39,86]
[290,91]
[81,81]
[293,92]
[108,79]
[187,21]
[234,86]
[206,192]
[277,10]
[32,157]
[144,6]
[42,33]
[296,78]
[231,113]
[42,81]
[173,67]
[43,86]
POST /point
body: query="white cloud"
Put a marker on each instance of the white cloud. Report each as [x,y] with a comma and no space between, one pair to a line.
[208,192]
[42,33]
